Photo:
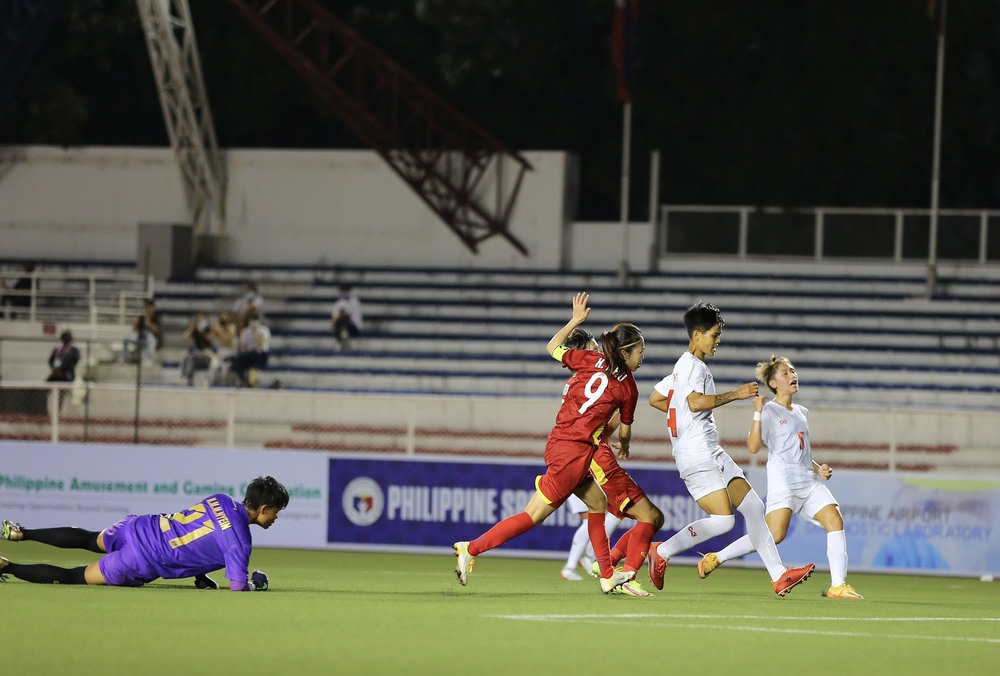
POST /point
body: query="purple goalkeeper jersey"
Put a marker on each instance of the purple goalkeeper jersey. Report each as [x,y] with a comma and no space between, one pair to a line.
[212,534]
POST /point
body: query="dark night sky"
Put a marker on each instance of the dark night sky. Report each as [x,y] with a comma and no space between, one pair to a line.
[762,102]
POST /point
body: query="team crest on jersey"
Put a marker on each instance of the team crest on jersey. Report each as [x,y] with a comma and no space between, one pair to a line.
[782,421]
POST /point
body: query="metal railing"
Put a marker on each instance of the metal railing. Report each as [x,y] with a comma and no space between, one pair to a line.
[63,297]
[917,439]
[824,233]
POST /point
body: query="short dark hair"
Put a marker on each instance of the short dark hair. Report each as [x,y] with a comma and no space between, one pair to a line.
[579,339]
[265,490]
[701,317]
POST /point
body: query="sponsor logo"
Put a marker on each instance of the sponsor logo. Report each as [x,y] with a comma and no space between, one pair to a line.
[363,501]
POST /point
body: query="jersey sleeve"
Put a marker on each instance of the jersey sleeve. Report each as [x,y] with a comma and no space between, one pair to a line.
[664,386]
[698,378]
[237,562]
[627,409]
[768,425]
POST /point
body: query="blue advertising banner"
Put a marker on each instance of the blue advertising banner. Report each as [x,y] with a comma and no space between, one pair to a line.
[907,523]
[404,503]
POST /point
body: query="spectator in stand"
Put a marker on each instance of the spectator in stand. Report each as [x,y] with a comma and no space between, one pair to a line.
[63,360]
[201,351]
[140,344]
[346,316]
[224,333]
[250,301]
[224,336]
[253,351]
[154,322]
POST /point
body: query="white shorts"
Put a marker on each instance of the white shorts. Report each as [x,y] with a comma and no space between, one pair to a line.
[806,500]
[711,475]
[575,504]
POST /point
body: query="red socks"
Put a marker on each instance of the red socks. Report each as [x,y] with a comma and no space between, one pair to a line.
[638,545]
[508,529]
[599,538]
[621,547]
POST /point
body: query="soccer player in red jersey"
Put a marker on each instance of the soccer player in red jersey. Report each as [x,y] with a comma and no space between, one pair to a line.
[625,497]
[603,384]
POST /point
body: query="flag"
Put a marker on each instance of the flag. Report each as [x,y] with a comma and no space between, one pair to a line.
[623,46]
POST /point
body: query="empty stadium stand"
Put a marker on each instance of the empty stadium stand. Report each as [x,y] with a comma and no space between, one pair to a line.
[856,333]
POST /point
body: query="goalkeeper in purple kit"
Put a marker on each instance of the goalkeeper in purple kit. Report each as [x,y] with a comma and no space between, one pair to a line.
[213,534]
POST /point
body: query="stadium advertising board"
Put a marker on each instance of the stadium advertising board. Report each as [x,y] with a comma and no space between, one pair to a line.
[92,486]
[900,522]
[896,522]
[429,504]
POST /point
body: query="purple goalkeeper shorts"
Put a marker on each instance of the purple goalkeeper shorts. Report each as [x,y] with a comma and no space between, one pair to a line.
[123,565]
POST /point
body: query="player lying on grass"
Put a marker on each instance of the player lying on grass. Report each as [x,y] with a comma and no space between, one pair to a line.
[794,480]
[213,534]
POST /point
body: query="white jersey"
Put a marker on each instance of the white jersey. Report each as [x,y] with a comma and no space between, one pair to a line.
[693,435]
[789,453]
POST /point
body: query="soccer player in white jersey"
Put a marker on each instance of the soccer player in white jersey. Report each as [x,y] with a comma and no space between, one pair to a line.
[794,484]
[716,483]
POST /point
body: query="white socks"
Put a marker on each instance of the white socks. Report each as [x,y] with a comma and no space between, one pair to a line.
[752,509]
[698,531]
[736,549]
[836,553]
[581,542]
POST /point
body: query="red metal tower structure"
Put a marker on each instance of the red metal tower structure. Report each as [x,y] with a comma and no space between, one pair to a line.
[464,174]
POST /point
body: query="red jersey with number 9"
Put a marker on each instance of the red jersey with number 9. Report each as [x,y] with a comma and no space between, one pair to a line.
[591,397]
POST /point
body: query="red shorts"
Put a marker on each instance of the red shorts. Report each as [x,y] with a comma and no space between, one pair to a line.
[621,489]
[566,465]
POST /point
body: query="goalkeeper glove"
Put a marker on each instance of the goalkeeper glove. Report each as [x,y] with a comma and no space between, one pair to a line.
[258,581]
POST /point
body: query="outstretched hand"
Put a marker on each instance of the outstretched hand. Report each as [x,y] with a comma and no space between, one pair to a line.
[580,309]
[747,390]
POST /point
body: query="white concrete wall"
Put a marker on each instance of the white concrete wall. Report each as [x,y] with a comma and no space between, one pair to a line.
[600,245]
[284,206]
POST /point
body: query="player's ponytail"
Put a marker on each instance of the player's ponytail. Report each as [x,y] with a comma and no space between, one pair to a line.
[619,339]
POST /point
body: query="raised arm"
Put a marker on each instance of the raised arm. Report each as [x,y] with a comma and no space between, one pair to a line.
[755,440]
[706,402]
[580,313]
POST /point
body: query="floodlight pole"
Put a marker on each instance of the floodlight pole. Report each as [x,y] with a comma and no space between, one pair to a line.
[626,161]
[936,163]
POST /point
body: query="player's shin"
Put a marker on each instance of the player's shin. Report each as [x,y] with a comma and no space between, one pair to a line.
[43,573]
[638,546]
[752,509]
[599,539]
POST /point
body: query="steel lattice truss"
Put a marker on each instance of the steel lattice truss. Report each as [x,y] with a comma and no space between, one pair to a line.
[463,173]
[176,66]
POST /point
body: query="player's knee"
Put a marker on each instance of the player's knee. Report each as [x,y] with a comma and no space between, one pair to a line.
[778,534]
[658,519]
[722,523]
[596,502]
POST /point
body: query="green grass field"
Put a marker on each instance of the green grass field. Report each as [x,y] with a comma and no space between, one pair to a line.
[353,613]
